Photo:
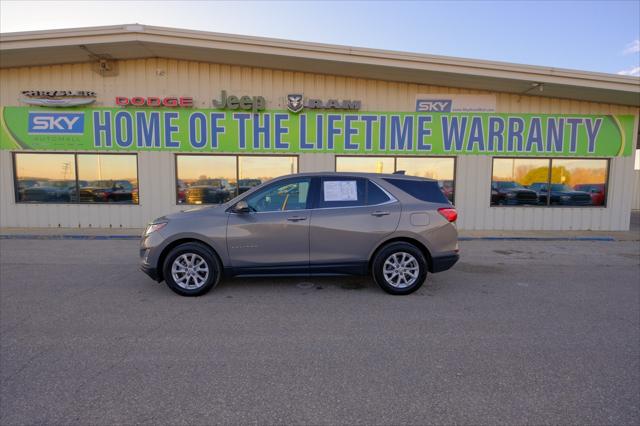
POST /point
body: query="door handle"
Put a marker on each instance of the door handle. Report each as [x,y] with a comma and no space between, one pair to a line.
[296,218]
[379,213]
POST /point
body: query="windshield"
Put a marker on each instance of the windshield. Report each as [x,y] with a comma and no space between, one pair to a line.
[559,187]
[62,183]
[507,185]
[101,184]
[209,182]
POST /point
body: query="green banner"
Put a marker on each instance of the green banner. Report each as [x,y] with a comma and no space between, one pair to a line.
[210,130]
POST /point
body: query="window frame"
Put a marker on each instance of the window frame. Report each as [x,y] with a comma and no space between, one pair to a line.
[222,154]
[395,164]
[548,182]
[77,179]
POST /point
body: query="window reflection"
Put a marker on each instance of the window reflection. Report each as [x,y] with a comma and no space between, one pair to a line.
[254,170]
[205,179]
[107,178]
[516,181]
[440,169]
[555,182]
[365,164]
[578,182]
[45,178]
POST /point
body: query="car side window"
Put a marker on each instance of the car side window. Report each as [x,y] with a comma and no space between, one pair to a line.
[282,196]
[375,195]
[341,192]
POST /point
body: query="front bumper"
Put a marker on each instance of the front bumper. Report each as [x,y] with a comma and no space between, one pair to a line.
[442,263]
[151,271]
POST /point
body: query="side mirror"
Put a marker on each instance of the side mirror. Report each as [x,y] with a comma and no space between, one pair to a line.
[241,207]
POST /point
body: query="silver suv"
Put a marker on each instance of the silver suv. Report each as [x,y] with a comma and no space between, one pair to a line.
[396,227]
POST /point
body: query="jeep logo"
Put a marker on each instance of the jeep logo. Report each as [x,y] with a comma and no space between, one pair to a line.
[254,103]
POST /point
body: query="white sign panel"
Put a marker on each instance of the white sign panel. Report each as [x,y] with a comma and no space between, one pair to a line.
[340,190]
[455,103]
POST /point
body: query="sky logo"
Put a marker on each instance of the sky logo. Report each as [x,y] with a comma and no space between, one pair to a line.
[56,123]
[433,105]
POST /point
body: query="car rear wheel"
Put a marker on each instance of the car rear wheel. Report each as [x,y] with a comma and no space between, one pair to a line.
[191,269]
[400,268]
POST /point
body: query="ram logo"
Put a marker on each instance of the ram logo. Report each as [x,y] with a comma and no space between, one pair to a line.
[56,123]
[294,102]
[433,105]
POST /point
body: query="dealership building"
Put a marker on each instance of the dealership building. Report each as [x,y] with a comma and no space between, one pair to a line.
[114,126]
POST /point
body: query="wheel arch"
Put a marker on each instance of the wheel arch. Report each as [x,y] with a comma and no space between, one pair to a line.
[404,239]
[173,244]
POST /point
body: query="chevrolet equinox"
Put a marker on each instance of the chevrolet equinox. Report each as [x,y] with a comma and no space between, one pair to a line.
[395,227]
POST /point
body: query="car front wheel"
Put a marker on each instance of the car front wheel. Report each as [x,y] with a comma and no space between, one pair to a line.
[191,269]
[400,268]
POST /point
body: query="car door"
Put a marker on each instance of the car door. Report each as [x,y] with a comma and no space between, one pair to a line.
[274,235]
[350,218]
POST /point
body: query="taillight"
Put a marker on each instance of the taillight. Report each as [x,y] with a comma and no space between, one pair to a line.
[448,213]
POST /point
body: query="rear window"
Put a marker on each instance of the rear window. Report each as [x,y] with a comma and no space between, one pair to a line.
[420,189]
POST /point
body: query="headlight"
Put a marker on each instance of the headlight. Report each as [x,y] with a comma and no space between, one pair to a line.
[565,197]
[511,194]
[155,227]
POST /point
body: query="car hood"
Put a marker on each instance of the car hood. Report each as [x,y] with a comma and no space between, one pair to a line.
[191,213]
[570,193]
[517,190]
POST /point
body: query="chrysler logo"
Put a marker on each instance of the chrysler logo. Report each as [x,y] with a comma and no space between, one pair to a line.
[58,98]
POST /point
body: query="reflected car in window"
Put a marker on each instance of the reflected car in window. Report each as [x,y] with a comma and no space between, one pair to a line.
[54,191]
[510,193]
[396,228]
[246,184]
[107,191]
[446,186]
[596,190]
[181,190]
[209,191]
[560,194]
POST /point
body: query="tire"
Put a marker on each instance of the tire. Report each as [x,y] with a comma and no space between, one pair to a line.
[401,254]
[180,273]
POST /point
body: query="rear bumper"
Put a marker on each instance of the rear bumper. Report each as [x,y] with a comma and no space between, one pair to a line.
[442,263]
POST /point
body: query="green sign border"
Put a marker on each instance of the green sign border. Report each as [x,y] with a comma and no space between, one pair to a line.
[339,132]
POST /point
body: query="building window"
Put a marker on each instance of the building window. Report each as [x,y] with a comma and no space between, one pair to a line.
[108,178]
[76,178]
[215,179]
[441,169]
[44,178]
[365,164]
[205,179]
[254,170]
[549,182]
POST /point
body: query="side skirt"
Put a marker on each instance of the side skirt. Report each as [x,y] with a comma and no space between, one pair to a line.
[331,269]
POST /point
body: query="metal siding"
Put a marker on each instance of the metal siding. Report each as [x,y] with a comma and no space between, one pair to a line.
[156,170]
[635,204]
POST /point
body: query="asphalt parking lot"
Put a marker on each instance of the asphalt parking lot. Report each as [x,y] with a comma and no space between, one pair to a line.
[518,332]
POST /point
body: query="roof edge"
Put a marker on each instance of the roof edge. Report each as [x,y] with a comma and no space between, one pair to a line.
[472,64]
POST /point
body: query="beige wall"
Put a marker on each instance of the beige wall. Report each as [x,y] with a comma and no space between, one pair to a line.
[203,81]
